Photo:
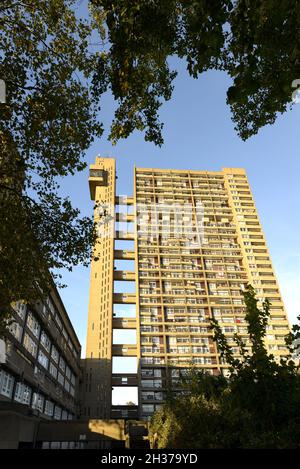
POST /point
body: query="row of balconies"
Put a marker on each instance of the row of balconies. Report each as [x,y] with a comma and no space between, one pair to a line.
[124,350]
[168,188]
[156,274]
[180,192]
[181,253]
[182,293]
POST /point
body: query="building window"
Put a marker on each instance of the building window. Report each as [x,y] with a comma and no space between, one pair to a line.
[33,325]
[22,393]
[49,408]
[148,408]
[62,364]
[38,402]
[53,370]
[43,359]
[45,341]
[68,372]
[20,309]
[58,321]
[16,330]
[60,378]
[54,354]
[30,344]
[67,386]
[6,384]
[50,305]
[57,413]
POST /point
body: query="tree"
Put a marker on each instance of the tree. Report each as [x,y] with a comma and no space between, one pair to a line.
[50,118]
[257,406]
[55,80]
[130,403]
[253,42]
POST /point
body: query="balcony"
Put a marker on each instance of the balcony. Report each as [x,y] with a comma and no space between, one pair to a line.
[124,254]
[125,235]
[124,200]
[124,275]
[124,350]
[124,323]
[130,379]
[127,298]
[97,177]
[124,412]
[124,217]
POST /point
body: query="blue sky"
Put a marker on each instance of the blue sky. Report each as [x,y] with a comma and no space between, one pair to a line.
[199,134]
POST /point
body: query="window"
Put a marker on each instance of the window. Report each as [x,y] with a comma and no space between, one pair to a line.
[30,344]
[67,386]
[43,359]
[68,372]
[37,402]
[62,364]
[22,393]
[60,378]
[33,324]
[65,334]
[148,408]
[57,413]
[147,372]
[49,408]
[53,370]
[16,330]
[50,305]
[57,319]
[20,309]
[6,384]
[45,341]
[54,354]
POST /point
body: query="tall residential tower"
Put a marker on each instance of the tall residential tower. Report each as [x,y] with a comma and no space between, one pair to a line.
[196,242]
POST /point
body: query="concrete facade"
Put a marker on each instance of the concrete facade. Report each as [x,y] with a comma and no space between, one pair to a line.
[196,243]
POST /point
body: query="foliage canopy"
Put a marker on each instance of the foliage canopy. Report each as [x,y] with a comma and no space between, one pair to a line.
[50,118]
[57,66]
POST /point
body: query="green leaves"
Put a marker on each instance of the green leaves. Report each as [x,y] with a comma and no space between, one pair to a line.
[49,121]
[253,42]
[55,79]
[257,406]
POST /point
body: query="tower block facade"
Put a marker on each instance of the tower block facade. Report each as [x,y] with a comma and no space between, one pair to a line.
[196,243]
[98,363]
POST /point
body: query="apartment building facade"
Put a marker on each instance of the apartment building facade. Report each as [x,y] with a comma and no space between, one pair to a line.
[196,242]
[40,366]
